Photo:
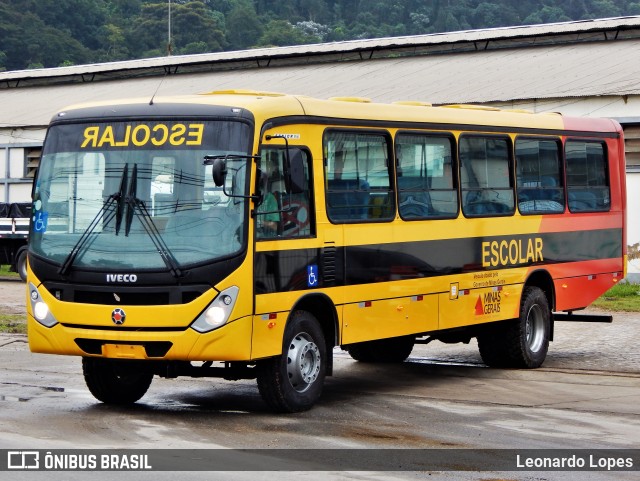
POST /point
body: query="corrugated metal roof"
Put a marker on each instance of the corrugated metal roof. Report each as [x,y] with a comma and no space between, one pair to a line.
[575,68]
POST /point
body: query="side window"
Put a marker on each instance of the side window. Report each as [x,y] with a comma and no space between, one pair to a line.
[539,176]
[587,179]
[281,214]
[485,176]
[357,174]
[426,185]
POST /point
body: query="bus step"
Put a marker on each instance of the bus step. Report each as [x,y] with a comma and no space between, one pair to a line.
[583,317]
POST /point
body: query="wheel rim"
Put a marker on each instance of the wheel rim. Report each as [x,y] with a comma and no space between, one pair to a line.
[535,328]
[303,362]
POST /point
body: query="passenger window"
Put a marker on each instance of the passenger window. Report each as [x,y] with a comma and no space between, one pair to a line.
[281,214]
[587,179]
[485,176]
[539,176]
[357,173]
[426,186]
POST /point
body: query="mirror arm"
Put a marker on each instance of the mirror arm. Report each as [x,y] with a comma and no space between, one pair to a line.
[210,159]
[286,144]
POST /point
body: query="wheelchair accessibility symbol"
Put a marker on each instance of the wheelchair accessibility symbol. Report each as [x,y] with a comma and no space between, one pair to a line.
[40,222]
[312,275]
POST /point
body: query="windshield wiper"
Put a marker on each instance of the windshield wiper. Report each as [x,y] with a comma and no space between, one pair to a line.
[84,241]
[136,207]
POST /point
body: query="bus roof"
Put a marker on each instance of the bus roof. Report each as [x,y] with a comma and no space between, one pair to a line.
[270,105]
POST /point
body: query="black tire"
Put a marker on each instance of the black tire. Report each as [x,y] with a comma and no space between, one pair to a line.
[292,382]
[522,342]
[21,264]
[114,382]
[393,350]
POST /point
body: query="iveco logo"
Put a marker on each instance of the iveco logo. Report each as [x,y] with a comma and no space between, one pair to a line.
[122,278]
[118,316]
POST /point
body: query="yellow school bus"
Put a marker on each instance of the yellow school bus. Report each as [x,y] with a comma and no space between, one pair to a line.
[246,235]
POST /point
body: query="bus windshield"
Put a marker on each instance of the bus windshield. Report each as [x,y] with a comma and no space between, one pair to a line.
[137,195]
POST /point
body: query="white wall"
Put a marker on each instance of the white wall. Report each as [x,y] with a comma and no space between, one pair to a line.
[16,163]
[614,106]
[10,136]
[13,141]
[3,163]
[633,221]
[20,192]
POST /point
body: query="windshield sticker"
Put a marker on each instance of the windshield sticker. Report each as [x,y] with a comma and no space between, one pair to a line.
[40,222]
[289,136]
[142,135]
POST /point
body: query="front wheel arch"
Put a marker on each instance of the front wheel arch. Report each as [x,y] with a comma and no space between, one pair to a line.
[324,310]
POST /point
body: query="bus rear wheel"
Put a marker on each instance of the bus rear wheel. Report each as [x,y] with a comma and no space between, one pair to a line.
[522,342]
[395,349]
[114,382]
[292,382]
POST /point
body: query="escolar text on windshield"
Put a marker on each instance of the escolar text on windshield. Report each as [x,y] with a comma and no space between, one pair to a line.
[142,135]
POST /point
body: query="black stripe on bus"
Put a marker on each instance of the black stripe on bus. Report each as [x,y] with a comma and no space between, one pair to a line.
[396,124]
[287,270]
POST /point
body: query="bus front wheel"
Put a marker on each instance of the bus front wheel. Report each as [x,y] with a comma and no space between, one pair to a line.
[114,382]
[292,382]
[521,342]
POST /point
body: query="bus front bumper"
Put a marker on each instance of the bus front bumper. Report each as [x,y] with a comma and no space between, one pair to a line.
[231,342]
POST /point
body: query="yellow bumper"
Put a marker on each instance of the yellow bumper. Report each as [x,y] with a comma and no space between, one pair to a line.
[232,342]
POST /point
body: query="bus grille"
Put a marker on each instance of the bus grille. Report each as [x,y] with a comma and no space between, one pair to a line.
[126,296]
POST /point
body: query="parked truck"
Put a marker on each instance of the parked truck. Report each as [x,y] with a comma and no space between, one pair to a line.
[14,232]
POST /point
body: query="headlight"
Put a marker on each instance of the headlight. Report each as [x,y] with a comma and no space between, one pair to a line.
[218,312]
[40,309]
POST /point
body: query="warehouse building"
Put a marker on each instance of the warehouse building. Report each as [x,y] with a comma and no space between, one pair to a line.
[586,68]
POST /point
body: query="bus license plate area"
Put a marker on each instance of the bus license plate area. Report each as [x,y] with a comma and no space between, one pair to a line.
[124,351]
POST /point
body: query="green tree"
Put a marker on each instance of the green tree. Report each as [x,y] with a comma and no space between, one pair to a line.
[603,8]
[280,33]
[547,15]
[494,15]
[79,19]
[57,32]
[312,10]
[244,29]
[192,22]
[27,40]
[114,43]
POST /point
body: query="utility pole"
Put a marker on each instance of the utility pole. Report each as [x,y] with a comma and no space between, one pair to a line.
[169,48]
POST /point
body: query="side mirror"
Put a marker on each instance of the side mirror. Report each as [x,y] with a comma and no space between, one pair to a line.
[219,172]
[294,179]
